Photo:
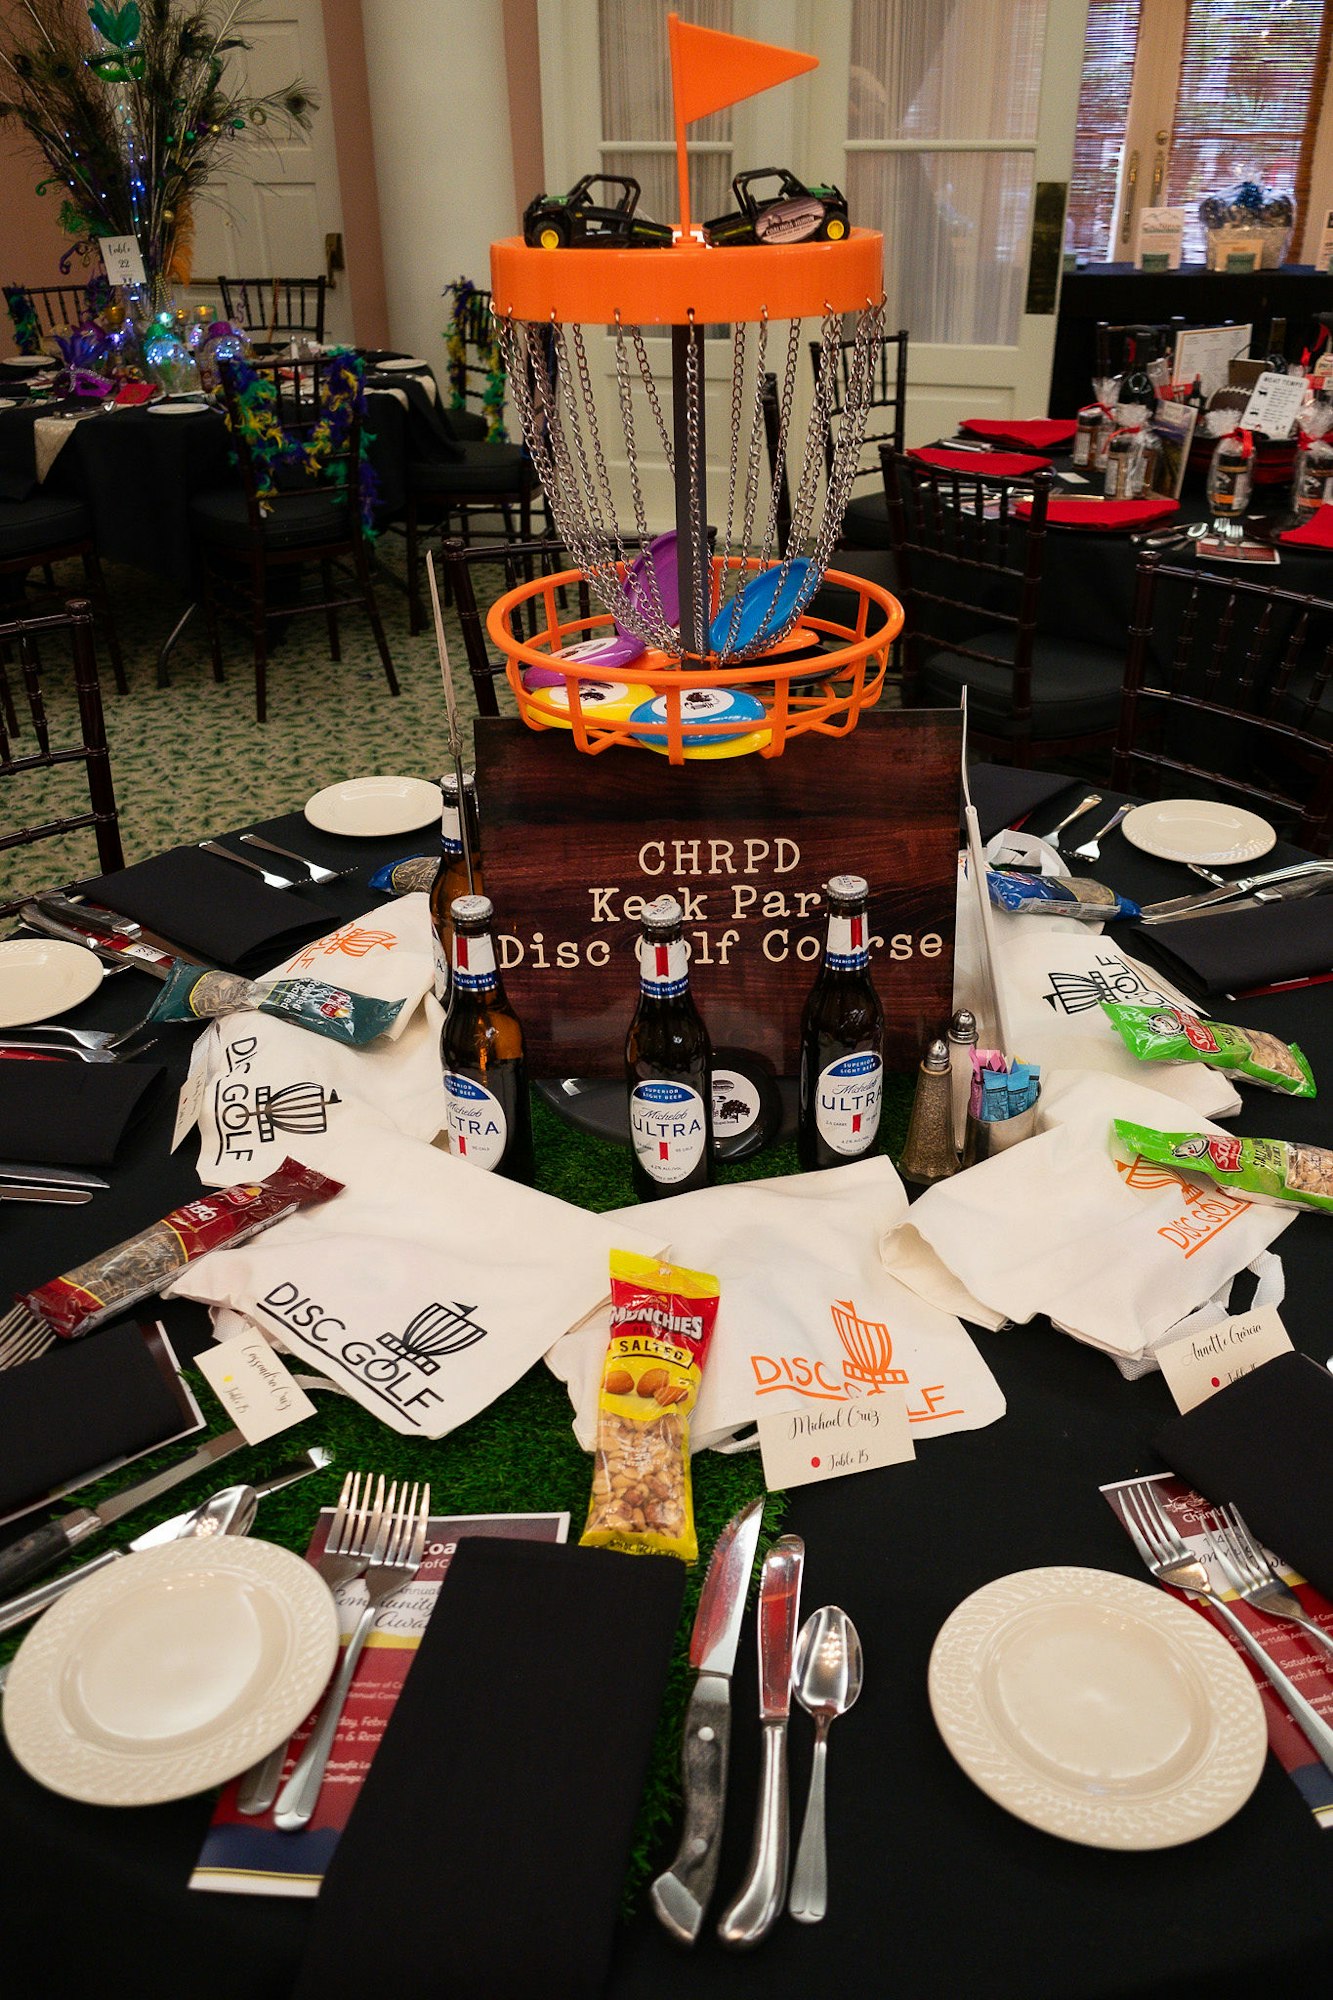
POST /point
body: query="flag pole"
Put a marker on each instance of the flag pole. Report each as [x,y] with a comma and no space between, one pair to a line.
[678,112]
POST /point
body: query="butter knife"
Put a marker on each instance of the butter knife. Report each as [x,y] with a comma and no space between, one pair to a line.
[681,1895]
[751,1916]
[1319,874]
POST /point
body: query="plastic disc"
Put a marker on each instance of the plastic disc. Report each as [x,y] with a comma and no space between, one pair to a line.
[769,597]
[702,704]
[601,701]
[661,552]
[734,746]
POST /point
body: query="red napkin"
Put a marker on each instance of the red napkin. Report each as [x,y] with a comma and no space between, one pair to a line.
[1104,514]
[1025,433]
[981,465]
[1316,534]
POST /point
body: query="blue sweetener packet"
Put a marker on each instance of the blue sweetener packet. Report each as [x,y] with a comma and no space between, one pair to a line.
[1057,896]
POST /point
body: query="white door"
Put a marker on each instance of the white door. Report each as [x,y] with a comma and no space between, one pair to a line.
[954,124]
[270,213]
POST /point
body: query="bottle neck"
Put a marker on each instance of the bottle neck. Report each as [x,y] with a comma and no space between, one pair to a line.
[664,968]
[474,967]
[451,830]
[847,943]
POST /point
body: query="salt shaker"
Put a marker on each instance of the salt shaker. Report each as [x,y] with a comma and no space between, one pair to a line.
[930,1154]
[962,1041]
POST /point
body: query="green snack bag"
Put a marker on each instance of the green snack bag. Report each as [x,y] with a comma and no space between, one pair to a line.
[1271,1170]
[1169,1034]
[193,994]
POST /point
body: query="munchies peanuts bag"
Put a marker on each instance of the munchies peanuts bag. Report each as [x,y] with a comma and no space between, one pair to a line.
[662,1320]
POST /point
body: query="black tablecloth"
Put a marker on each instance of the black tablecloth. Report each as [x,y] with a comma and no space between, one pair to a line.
[935,1890]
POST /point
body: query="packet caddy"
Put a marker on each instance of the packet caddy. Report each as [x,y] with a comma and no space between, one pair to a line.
[193,993]
[662,1320]
[1278,1172]
[1170,1034]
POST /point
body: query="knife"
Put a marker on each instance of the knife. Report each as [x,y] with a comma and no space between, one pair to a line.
[46,1546]
[112,950]
[19,1609]
[57,1177]
[91,915]
[1311,875]
[682,1894]
[64,1197]
[751,1915]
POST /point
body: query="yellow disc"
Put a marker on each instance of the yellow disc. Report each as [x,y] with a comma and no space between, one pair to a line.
[601,701]
[712,753]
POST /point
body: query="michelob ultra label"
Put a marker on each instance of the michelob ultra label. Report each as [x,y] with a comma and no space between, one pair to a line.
[439,959]
[847,1108]
[474,962]
[848,945]
[476,1121]
[669,1127]
[451,831]
[664,968]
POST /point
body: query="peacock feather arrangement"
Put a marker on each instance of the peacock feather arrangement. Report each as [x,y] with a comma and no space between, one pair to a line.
[130,103]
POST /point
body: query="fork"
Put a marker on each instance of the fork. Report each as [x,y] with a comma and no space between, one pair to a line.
[258,1786]
[1253,1577]
[318,872]
[274,880]
[395,1547]
[1091,849]
[1052,838]
[1165,1554]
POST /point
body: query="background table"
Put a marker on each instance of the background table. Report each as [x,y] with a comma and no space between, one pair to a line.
[935,1891]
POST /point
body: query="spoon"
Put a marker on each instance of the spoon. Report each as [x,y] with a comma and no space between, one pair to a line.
[827,1681]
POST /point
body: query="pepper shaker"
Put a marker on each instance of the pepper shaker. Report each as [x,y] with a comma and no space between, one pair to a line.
[930,1154]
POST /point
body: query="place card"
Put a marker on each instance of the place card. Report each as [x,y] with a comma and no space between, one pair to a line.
[1274,405]
[1199,1364]
[190,1105]
[254,1386]
[1161,239]
[122,260]
[807,1446]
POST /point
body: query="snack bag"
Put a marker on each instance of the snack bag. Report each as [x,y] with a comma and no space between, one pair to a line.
[661,1325]
[403,878]
[1270,1170]
[192,994]
[1056,896]
[1169,1034]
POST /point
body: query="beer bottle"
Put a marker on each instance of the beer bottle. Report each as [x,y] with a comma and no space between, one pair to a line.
[481,1048]
[668,1065]
[451,876]
[842,1039]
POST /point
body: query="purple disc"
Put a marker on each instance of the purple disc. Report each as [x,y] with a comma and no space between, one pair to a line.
[661,553]
[613,649]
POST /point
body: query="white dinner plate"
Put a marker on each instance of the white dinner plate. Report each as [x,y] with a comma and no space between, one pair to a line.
[170,1672]
[375,806]
[1097,1708]
[29,361]
[40,977]
[194,409]
[1198,830]
[402,366]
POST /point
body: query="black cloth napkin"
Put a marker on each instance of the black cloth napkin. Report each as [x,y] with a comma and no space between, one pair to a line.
[1228,954]
[1002,795]
[497,1817]
[222,913]
[69,1114]
[84,1405]
[1265,1443]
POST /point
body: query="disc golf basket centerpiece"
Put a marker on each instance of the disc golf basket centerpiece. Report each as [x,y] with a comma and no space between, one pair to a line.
[692,643]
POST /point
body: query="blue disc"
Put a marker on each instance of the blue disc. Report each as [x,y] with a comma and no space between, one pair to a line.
[700,704]
[767,599]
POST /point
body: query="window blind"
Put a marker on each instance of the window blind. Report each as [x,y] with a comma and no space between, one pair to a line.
[1108,68]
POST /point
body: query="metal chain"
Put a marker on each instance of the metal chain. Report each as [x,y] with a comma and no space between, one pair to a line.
[647,620]
[699,566]
[650,386]
[738,578]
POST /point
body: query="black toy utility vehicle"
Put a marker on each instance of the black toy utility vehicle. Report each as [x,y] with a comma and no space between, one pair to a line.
[794,213]
[555,221]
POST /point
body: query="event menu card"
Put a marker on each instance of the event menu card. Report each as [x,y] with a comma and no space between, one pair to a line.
[1285,1643]
[248,1855]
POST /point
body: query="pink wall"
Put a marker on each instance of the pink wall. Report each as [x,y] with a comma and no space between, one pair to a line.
[31,243]
[349,108]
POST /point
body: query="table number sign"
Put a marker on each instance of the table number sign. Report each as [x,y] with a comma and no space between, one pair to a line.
[1161,236]
[575,845]
[122,260]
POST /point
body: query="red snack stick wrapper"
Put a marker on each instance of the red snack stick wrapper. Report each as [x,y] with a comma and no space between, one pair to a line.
[106,1285]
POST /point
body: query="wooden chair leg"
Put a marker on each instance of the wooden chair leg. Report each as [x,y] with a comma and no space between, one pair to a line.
[259,630]
[6,695]
[92,570]
[211,621]
[414,614]
[373,612]
[330,612]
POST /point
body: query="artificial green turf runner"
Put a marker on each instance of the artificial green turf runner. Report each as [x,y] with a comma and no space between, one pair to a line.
[520,1456]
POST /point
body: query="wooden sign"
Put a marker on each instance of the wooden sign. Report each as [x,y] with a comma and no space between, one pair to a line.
[573,847]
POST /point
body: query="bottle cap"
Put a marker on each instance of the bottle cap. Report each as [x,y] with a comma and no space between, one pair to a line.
[472,909]
[936,1056]
[848,888]
[963,1027]
[662,914]
[449,782]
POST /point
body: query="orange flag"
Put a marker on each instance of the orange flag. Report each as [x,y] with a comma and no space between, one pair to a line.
[710,70]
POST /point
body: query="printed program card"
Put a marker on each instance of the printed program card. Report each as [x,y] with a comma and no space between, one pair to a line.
[828,1441]
[1199,1364]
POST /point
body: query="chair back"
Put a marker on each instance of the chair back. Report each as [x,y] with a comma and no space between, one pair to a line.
[966,561]
[37,311]
[23,637]
[888,400]
[476,370]
[1229,688]
[297,430]
[266,307]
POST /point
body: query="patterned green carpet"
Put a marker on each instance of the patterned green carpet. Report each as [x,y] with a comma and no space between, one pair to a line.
[190,761]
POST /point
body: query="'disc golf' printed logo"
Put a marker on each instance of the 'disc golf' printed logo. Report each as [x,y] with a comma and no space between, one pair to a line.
[476,1121]
[851,1091]
[669,1128]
